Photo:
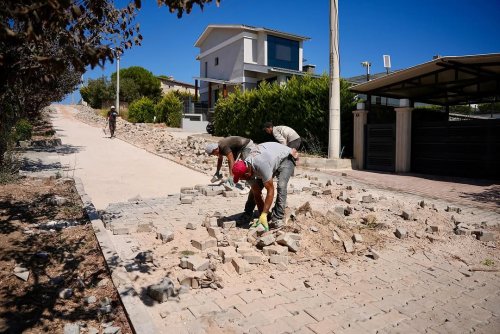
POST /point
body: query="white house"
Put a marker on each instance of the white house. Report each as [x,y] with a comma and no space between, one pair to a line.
[232,55]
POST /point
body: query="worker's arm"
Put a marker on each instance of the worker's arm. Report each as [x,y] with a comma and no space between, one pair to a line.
[219,164]
[257,195]
[279,137]
[269,185]
[230,161]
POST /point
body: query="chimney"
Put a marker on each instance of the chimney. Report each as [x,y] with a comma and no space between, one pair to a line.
[309,68]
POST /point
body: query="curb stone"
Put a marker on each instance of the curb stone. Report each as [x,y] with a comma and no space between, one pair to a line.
[140,320]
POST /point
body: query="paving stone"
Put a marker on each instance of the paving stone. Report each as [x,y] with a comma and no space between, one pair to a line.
[348,246]
[228,254]
[203,244]
[203,309]
[161,291]
[275,259]
[71,328]
[253,257]
[368,199]
[351,201]
[120,231]
[407,215]
[357,237]
[191,226]
[187,200]
[165,235]
[197,263]
[226,193]
[275,249]
[266,240]
[240,265]
[452,208]
[144,228]
[288,240]
[401,233]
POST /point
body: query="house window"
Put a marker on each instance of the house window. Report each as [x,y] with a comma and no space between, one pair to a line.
[282,52]
[206,69]
[216,62]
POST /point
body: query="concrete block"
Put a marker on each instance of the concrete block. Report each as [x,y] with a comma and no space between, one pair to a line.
[240,265]
[191,226]
[121,230]
[316,193]
[211,222]
[452,208]
[253,257]
[165,235]
[306,188]
[214,232]
[197,263]
[71,328]
[275,259]
[160,292]
[351,201]
[228,254]
[348,246]
[204,243]
[327,192]
[486,236]
[244,250]
[242,244]
[186,190]
[407,215]
[288,240]
[144,228]
[368,199]
[357,237]
[401,233]
[187,200]
[266,240]
[227,193]
[275,249]
[339,210]
[336,237]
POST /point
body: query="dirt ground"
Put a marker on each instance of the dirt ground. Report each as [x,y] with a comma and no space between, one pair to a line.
[44,232]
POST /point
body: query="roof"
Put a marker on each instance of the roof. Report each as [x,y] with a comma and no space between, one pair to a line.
[447,80]
[175,82]
[212,27]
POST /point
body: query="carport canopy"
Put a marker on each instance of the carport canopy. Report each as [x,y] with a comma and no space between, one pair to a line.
[442,81]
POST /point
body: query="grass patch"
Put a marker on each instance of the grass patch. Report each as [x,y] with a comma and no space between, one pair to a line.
[488,262]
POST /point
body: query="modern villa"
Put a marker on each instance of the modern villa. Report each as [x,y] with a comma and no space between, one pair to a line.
[242,55]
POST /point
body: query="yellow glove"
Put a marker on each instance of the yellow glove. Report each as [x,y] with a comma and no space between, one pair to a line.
[262,221]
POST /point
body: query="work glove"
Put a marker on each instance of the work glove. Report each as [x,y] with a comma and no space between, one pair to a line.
[217,176]
[262,221]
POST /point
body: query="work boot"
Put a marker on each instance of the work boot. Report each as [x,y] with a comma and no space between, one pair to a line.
[276,223]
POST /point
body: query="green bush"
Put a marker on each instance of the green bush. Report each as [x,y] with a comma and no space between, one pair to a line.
[302,104]
[23,130]
[141,111]
[169,110]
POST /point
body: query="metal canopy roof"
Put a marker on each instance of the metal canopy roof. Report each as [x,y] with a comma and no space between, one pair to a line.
[442,81]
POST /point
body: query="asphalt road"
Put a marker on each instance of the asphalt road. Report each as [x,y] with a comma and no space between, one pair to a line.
[112,170]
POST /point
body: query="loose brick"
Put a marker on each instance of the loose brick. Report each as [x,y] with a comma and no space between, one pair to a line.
[348,246]
[191,226]
[228,254]
[401,233]
[197,263]
[407,215]
[204,244]
[275,258]
[288,240]
[226,193]
[228,224]
[253,257]
[165,235]
[266,240]
[357,237]
[275,249]
[240,265]
[187,200]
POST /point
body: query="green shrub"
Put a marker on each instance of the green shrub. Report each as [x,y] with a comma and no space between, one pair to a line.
[169,110]
[23,130]
[141,111]
[302,104]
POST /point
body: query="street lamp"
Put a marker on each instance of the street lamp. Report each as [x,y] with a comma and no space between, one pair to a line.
[367,64]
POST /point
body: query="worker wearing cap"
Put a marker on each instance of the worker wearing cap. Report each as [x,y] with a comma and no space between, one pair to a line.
[232,148]
[284,135]
[111,117]
[263,163]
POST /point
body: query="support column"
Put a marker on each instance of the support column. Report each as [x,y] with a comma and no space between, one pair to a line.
[196,90]
[403,137]
[360,120]
[209,94]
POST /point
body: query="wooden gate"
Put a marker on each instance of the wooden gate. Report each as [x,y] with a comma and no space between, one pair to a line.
[380,148]
[458,148]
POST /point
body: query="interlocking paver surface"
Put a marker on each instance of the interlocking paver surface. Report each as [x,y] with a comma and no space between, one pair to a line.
[419,284]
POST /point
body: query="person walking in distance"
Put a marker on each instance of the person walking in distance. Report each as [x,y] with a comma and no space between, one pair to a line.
[284,135]
[111,118]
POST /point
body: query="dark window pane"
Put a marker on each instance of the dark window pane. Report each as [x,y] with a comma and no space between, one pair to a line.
[282,52]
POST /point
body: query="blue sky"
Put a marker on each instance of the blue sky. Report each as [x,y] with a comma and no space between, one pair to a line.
[411,32]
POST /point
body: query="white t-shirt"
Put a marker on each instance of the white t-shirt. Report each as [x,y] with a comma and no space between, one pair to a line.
[284,134]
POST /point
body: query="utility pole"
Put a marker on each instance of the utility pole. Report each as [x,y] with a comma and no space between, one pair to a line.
[334,105]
